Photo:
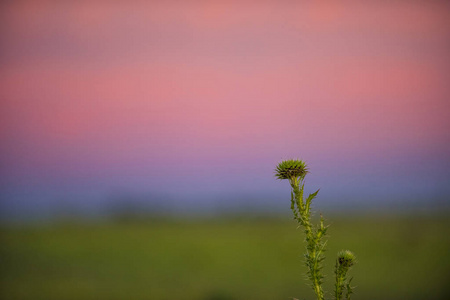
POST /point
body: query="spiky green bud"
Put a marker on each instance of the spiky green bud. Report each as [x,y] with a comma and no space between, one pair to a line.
[346,258]
[290,169]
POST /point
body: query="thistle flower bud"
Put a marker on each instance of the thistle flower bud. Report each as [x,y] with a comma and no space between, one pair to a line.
[346,258]
[290,169]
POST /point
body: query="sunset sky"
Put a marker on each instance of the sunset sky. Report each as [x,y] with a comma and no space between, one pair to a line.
[197,101]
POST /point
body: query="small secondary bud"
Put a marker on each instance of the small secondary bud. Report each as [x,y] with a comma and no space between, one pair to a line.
[346,258]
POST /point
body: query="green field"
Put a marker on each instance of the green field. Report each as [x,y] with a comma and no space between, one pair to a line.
[228,258]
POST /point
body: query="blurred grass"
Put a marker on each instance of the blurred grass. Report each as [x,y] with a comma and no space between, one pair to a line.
[403,257]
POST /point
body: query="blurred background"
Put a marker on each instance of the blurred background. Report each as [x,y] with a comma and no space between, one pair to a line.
[138,142]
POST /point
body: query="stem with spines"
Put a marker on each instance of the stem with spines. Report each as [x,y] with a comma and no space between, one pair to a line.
[314,244]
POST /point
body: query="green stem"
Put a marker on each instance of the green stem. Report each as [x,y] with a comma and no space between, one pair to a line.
[339,283]
[314,247]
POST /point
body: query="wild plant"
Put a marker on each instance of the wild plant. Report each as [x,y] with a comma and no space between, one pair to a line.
[295,171]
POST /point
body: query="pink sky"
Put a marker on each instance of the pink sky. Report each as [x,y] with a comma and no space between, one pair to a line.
[218,92]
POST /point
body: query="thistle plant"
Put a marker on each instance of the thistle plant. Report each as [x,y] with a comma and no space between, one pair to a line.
[295,171]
